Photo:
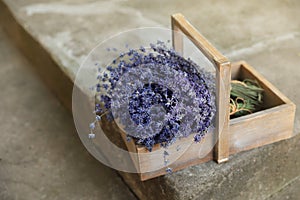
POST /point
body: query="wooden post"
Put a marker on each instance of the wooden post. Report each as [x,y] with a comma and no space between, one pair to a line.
[223,76]
[177,38]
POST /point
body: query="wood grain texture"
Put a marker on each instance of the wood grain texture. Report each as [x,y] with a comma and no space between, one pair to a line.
[177,38]
[221,153]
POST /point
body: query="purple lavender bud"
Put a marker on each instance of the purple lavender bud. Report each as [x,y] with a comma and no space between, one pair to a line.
[92,136]
[128,138]
[144,98]
[142,49]
[98,117]
[197,138]
[92,125]
[169,170]
[166,162]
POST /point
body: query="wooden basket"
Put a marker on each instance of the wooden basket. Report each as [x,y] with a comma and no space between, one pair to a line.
[273,123]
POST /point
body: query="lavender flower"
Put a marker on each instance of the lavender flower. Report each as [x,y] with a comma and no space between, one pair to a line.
[92,125]
[98,117]
[169,170]
[92,136]
[157,95]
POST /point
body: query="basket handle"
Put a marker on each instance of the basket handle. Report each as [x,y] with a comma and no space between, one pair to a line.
[223,78]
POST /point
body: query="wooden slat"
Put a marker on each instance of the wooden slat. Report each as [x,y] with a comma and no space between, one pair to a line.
[180,23]
[223,74]
[265,82]
[261,128]
[191,153]
[223,78]
[177,39]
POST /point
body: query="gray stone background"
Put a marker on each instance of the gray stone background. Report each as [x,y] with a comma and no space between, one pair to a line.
[41,156]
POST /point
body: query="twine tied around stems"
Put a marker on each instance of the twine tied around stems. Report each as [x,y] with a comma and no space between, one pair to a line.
[246,97]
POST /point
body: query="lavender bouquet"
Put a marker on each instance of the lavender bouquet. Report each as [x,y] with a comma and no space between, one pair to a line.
[156,96]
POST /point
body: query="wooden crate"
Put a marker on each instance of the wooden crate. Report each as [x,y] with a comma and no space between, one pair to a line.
[273,123]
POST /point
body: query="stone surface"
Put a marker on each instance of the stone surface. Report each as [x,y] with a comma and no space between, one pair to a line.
[265,34]
[290,191]
[41,156]
[70,29]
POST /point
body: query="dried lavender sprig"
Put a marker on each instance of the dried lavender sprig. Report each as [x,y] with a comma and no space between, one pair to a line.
[158,54]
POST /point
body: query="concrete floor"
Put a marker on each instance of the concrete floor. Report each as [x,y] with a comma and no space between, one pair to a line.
[41,156]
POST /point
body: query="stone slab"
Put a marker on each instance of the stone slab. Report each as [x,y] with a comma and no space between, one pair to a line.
[265,34]
[289,192]
[41,157]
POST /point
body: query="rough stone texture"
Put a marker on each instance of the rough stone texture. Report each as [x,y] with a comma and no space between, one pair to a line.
[291,191]
[265,34]
[41,156]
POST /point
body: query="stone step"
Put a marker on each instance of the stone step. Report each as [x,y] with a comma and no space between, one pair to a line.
[41,157]
[56,37]
[289,191]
